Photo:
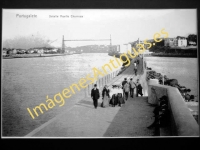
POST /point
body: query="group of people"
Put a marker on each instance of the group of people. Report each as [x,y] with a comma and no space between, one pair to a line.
[109,97]
[129,87]
[118,95]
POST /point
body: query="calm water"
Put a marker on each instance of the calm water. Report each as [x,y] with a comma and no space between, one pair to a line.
[185,70]
[27,82]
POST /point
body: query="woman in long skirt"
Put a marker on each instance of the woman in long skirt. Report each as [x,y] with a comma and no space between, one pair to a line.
[105,96]
[120,99]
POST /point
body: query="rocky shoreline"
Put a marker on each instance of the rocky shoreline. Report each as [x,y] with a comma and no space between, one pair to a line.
[185,92]
[190,100]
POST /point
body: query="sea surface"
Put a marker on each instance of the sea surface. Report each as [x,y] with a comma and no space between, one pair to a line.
[185,70]
[26,82]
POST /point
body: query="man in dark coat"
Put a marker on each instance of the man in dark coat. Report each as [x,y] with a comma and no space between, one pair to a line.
[124,82]
[139,90]
[95,95]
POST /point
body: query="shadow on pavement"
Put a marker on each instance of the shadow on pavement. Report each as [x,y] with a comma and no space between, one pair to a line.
[132,119]
[90,103]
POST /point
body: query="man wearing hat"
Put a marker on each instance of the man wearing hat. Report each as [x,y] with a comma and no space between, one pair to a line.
[124,82]
[95,96]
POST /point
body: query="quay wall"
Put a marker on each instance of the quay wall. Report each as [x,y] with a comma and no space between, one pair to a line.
[182,123]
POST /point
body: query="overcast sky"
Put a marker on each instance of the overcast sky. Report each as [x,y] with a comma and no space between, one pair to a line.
[124,25]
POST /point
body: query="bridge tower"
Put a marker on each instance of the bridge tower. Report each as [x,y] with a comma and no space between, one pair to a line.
[63,45]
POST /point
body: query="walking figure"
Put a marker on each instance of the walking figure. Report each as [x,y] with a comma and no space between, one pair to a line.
[95,95]
[105,96]
[132,87]
[126,90]
[123,83]
[138,88]
[135,68]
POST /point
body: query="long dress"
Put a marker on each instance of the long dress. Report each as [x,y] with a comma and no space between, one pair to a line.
[106,98]
[114,100]
[120,99]
[106,101]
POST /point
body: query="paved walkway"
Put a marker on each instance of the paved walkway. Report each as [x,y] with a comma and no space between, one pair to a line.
[82,120]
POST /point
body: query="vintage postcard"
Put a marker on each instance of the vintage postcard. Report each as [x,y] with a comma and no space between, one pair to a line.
[76,73]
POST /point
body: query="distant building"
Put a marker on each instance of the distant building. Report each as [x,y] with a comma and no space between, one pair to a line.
[30,51]
[21,51]
[192,43]
[39,50]
[4,53]
[42,50]
[182,41]
[136,47]
[170,42]
[11,51]
[54,50]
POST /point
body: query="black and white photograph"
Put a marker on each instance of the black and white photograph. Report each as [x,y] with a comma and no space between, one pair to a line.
[99,73]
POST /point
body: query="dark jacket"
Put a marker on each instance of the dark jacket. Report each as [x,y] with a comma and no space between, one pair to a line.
[114,100]
[105,91]
[123,83]
[139,87]
[95,94]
